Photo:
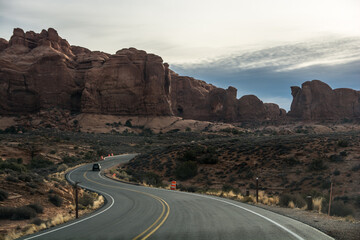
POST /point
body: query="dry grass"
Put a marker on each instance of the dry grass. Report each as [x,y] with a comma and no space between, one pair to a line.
[317,203]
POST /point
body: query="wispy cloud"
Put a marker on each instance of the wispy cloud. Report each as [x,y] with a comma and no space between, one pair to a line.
[287,57]
[269,72]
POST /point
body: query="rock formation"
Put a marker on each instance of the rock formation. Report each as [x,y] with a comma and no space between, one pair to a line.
[315,100]
[42,70]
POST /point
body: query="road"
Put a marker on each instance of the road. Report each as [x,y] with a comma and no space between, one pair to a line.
[138,212]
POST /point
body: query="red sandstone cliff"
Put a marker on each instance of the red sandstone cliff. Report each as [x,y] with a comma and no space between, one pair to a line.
[42,70]
[315,100]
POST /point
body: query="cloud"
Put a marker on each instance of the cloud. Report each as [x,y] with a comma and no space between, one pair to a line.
[269,73]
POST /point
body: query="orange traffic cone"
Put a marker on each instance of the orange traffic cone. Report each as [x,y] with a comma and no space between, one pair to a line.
[173,185]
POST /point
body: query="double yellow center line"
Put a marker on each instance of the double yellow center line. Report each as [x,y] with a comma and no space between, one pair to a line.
[158,222]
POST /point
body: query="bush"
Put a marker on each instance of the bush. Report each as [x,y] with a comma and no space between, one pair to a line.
[40,162]
[343,143]
[355,168]
[17,213]
[87,199]
[3,195]
[56,200]
[37,207]
[186,170]
[152,179]
[37,221]
[317,165]
[13,166]
[297,199]
[340,209]
[10,178]
[128,123]
[23,213]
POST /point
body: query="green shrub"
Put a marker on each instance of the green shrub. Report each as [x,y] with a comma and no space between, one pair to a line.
[128,123]
[343,143]
[17,213]
[152,179]
[186,170]
[317,165]
[10,178]
[37,221]
[37,207]
[13,166]
[23,213]
[3,195]
[297,199]
[355,168]
[56,200]
[87,199]
[40,162]
[338,208]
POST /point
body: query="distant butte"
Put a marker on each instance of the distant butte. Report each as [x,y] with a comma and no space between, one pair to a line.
[42,70]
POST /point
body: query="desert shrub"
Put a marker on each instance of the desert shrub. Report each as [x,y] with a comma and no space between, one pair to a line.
[70,159]
[336,158]
[355,168]
[128,123]
[186,170]
[55,199]
[62,167]
[226,188]
[23,213]
[297,199]
[87,199]
[40,162]
[317,165]
[291,161]
[343,143]
[336,172]
[17,213]
[37,207]
[187,188]
[32,185]
[11,178]
[338,208]
[152,179]
[37,221]
[52,151]
[3,195]
[13,166]
[357,201]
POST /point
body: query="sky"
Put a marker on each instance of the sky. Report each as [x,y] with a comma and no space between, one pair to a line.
[260,47]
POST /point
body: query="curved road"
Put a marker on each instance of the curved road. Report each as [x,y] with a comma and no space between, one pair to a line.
[137,212]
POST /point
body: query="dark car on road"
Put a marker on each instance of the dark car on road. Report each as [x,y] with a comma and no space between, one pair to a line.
[96,167]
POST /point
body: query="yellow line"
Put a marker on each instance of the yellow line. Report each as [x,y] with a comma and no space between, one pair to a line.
[162,201]
[162,213]
[162,222]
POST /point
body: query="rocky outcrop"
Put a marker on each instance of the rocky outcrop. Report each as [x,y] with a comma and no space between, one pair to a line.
[195,99]
[315,100]
[42,71]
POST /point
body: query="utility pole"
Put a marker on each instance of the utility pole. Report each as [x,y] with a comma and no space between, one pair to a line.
[257,190]
[76,200]
[331,186]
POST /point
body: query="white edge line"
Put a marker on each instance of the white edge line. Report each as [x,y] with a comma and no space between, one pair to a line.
[79,221]
[258,214]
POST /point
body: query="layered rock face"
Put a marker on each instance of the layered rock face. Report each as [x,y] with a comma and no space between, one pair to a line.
[43,70]
[195,99]
[315,100]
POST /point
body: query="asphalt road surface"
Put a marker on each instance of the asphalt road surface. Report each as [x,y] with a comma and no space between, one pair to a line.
[137,212]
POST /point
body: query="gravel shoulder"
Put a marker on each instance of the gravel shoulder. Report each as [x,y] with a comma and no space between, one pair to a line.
[336,227]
